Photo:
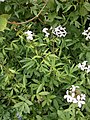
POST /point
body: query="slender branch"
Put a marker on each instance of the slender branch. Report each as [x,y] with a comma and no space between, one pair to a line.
[19,23]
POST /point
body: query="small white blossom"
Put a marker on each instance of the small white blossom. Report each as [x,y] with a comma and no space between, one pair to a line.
[45,30]
[80,103]
[29,35]
[87,33]
[84,63]
[78,97]
[75,100]
[59,31]
[83,96]
[83,66]
[73,88]
[73,94]
[88,69]
[68,97]
[2,0]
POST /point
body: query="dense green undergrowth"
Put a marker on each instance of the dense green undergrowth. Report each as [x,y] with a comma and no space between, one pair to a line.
[35,74]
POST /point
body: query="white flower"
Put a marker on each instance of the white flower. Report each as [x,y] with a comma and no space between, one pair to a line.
[45,30]
[59,31]
[73,88]
[83,96]
[80,100]
[78,97]
[72,97]
[2,0]
[75,100]
[84,63]
[29,32]
[73,94]
[80,103]
[47,34]
[87,33]
[29,35]
[88,36]
[88,69]
[82,66]
[68,97]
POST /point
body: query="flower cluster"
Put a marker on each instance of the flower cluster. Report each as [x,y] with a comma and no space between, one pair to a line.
[84,67]
[29,35]
[58,31]
[2,0]
[87,33]
[75,96]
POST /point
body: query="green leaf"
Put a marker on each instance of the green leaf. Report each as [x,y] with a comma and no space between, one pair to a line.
[24,80]
[39,88]
[1,39]
[68,8]
[5,16]
[18,104]
[28,102]
[44,93]
[61,115]
[38,117]
[3,23]
[88,57]
[27,109]
[21,98]
[46,63]
[83,11]
[25,100]
[44,103]
[87,6]
[55,103]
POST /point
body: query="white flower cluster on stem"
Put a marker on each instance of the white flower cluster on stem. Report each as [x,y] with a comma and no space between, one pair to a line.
[74,96]
[29,34]
[2,0]
[87,33]
[84,67]
[58,31]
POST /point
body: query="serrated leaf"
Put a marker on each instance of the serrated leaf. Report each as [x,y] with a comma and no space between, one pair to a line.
[3,23]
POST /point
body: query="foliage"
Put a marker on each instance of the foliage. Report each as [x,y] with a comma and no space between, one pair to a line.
[34,75]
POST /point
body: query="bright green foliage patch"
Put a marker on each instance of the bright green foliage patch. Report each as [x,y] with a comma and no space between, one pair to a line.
[36,70]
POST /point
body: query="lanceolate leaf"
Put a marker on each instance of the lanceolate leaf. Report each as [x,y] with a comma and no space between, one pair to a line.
[3,23]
